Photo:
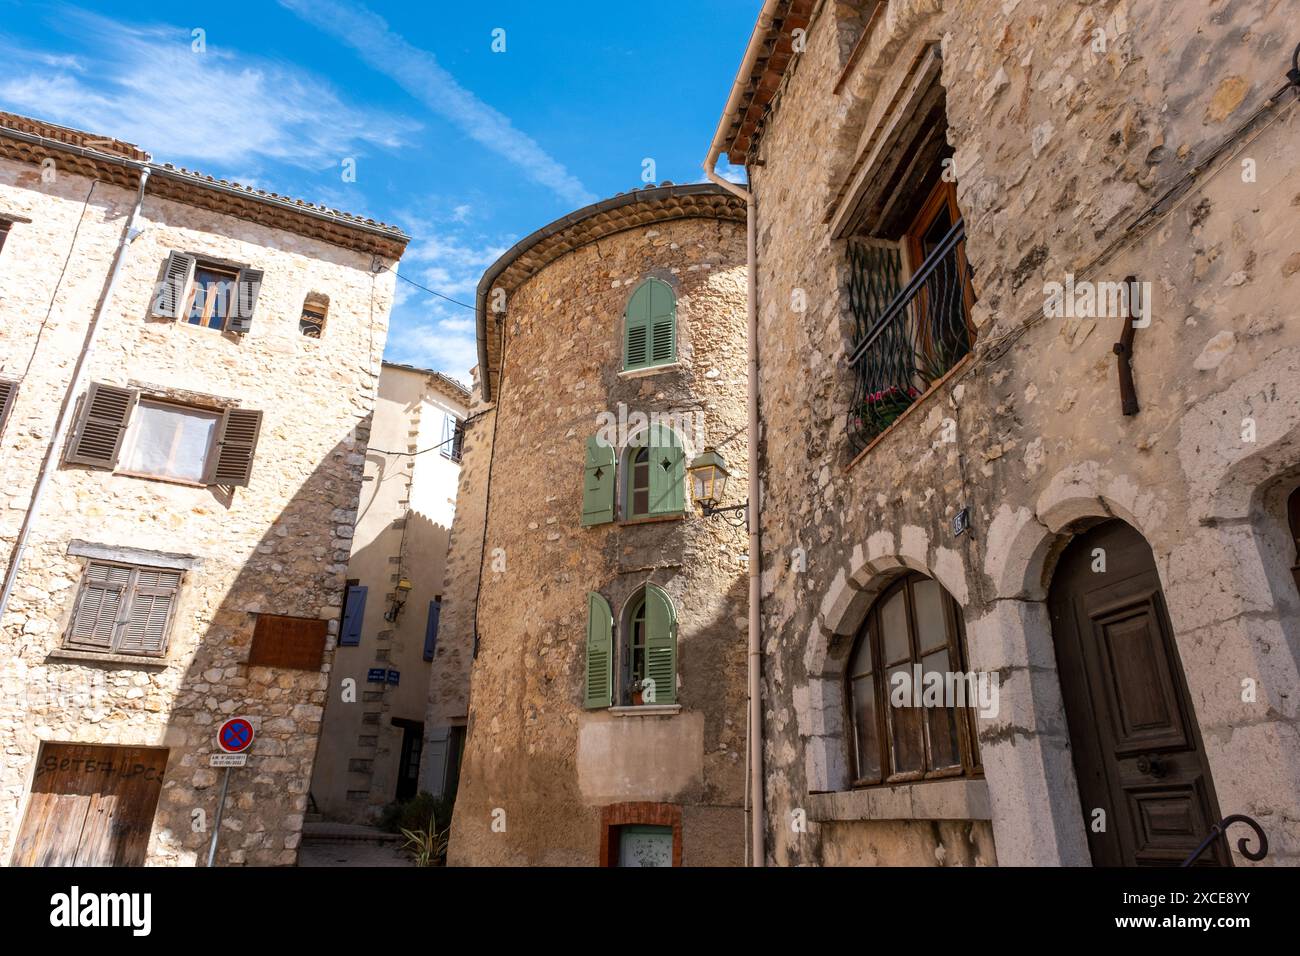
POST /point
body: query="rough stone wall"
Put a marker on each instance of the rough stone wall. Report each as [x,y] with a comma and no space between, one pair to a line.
[449,675]
[1058,150]
[533,753]
[278,546]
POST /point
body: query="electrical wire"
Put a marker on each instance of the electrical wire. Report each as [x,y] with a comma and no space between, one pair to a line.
[463,305]
[451,440]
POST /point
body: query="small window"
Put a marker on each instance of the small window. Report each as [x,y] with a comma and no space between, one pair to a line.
[314,311]
[650,326]
[212,297]
[453,437]
[124,609]
[169,441]
[4,231]
[915,626]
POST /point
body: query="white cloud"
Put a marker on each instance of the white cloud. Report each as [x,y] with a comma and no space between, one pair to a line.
[419,73]
[146,85]
[425,330]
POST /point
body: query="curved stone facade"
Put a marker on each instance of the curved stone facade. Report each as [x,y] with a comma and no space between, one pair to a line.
[545,781]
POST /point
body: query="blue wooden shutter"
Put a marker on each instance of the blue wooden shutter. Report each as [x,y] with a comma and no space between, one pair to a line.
[431,630]
[598,484]
[667,472]
[599,682]
[636,329]
[661,645]
[354,609]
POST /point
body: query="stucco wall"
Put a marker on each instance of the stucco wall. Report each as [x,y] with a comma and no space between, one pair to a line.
[1059,148]
[534,755]
[404,520]
[278,546]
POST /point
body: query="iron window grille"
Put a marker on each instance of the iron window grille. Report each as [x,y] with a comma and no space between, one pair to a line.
[908,339]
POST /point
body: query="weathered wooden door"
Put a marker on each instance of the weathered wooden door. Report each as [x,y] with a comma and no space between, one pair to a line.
[91,806]
[1137,747]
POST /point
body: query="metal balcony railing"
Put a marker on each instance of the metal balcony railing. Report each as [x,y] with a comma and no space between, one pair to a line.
[909,340]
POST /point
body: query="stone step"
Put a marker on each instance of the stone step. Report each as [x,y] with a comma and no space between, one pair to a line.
[318,832]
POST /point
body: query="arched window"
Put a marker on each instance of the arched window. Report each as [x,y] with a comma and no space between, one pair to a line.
[649,651]
[650,326]
[907,725]
[654,469]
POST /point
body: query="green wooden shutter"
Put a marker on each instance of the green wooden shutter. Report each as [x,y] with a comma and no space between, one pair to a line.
[599,689]
[661,645]
[598,484]
[667,472]
[636,329]
[663,323]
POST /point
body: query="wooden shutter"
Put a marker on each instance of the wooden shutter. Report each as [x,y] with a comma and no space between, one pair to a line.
[598,484]
[103,594]
[661,644]
[294,643]
[354,611]
[105,412]
[667,472]
[247,287]
[431,630]
[636,329]
[231,460]
[173,294]
[663,323]
[152,601]
[8,392]
[599,690]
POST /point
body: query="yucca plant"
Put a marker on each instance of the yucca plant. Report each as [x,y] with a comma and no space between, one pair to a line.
[427,846]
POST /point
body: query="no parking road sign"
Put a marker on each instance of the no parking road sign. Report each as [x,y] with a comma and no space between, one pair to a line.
[235,735]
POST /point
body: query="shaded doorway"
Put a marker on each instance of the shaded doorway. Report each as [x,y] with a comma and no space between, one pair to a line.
[91,805]
[1136,744]
[408,767]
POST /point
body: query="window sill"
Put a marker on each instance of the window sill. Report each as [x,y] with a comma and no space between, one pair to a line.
[72,655]
[961,366]
[649,370]
[960,798]
[646,710]
[651,519]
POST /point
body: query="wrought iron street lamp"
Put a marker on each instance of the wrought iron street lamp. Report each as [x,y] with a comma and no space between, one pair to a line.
[709,484]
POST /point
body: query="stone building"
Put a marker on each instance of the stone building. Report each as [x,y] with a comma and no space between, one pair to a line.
[958,475]
[188,370]
[605,615]
[373,735]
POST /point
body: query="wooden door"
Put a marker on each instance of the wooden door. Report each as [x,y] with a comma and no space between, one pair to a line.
[1136,744]
[91,806]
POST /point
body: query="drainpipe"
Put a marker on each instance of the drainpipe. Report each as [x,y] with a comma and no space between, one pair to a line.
[757,854]
[129,232]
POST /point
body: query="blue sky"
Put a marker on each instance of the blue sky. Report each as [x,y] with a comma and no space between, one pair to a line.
[465,148]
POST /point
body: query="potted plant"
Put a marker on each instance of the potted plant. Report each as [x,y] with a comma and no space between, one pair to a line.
[637,689]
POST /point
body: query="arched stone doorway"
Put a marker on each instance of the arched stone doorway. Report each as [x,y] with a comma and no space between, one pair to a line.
[1134,736]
